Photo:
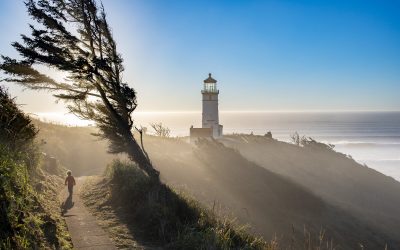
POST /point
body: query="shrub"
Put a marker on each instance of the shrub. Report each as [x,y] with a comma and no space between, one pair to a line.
[16,128]
[309,142]
[128,180]
[160,129]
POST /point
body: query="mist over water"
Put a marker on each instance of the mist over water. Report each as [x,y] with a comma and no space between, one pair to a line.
[372,138]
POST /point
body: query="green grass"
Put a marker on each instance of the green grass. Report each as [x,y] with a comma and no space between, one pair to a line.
[29,219]
[29,212]
[160,216]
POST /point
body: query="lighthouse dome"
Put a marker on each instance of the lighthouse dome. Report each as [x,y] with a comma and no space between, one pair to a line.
[210,79]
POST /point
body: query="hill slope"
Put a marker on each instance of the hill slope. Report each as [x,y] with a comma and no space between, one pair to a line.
[273,185]
[364,192]
[74,147]
[271,204]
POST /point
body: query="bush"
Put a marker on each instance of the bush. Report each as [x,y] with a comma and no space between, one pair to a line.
[16,128]
[128,180]
[309,142]
[160,129]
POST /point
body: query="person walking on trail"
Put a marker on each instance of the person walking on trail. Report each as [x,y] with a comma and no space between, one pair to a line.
[70,181]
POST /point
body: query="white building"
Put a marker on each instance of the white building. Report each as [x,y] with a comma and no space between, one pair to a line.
[210,114]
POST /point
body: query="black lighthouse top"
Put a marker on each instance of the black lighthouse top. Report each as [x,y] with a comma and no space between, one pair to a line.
[210,79]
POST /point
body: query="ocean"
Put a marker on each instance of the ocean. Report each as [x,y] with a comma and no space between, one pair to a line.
[371,138]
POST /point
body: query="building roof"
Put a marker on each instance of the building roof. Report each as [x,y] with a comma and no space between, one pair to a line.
[210,79]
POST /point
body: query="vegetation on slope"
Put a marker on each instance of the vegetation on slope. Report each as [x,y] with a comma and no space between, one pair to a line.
[363,192]
[271,203]
[29,213]
[232,180]
[161,215]
[74,147]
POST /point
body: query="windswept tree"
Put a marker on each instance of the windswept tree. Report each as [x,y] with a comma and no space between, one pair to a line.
[73,37]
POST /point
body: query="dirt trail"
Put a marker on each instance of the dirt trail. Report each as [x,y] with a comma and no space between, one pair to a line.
[82,226]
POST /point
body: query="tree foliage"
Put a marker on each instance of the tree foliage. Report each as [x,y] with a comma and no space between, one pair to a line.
[16,128]
[73,36]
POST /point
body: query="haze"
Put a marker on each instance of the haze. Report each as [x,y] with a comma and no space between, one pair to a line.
[259,125]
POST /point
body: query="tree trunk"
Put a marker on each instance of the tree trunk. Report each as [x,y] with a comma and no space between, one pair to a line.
[137,155]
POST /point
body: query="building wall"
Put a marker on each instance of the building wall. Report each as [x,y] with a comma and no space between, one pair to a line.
[200,132]
[210,110]
[196,133]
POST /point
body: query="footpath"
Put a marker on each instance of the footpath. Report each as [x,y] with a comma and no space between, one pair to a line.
[85,232]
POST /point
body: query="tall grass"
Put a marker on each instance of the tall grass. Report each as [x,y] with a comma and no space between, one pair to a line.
[28,219]
[18,229]
[173,219]
[26,222]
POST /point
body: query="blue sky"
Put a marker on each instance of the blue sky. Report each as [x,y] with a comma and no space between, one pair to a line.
[266,55]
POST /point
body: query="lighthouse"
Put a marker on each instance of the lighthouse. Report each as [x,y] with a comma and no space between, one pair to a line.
[210,117]
[210,114]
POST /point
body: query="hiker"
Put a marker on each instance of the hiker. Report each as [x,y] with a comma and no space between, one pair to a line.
[70,180]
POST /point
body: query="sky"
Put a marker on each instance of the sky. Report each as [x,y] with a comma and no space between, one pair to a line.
[265,55]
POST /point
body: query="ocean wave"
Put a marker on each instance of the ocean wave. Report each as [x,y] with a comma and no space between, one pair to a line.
[362,143]
[381,160]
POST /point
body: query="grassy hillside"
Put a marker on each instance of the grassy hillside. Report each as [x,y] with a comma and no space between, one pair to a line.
[335,177]
[29,217]
[157,216]
[29,207]
[271,204]
[281,190]
[74,147]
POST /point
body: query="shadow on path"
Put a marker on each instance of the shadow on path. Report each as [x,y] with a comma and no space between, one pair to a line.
[66,205]
[82,226]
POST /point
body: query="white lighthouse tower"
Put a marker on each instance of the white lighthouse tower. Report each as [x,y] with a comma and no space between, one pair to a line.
[210,107]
